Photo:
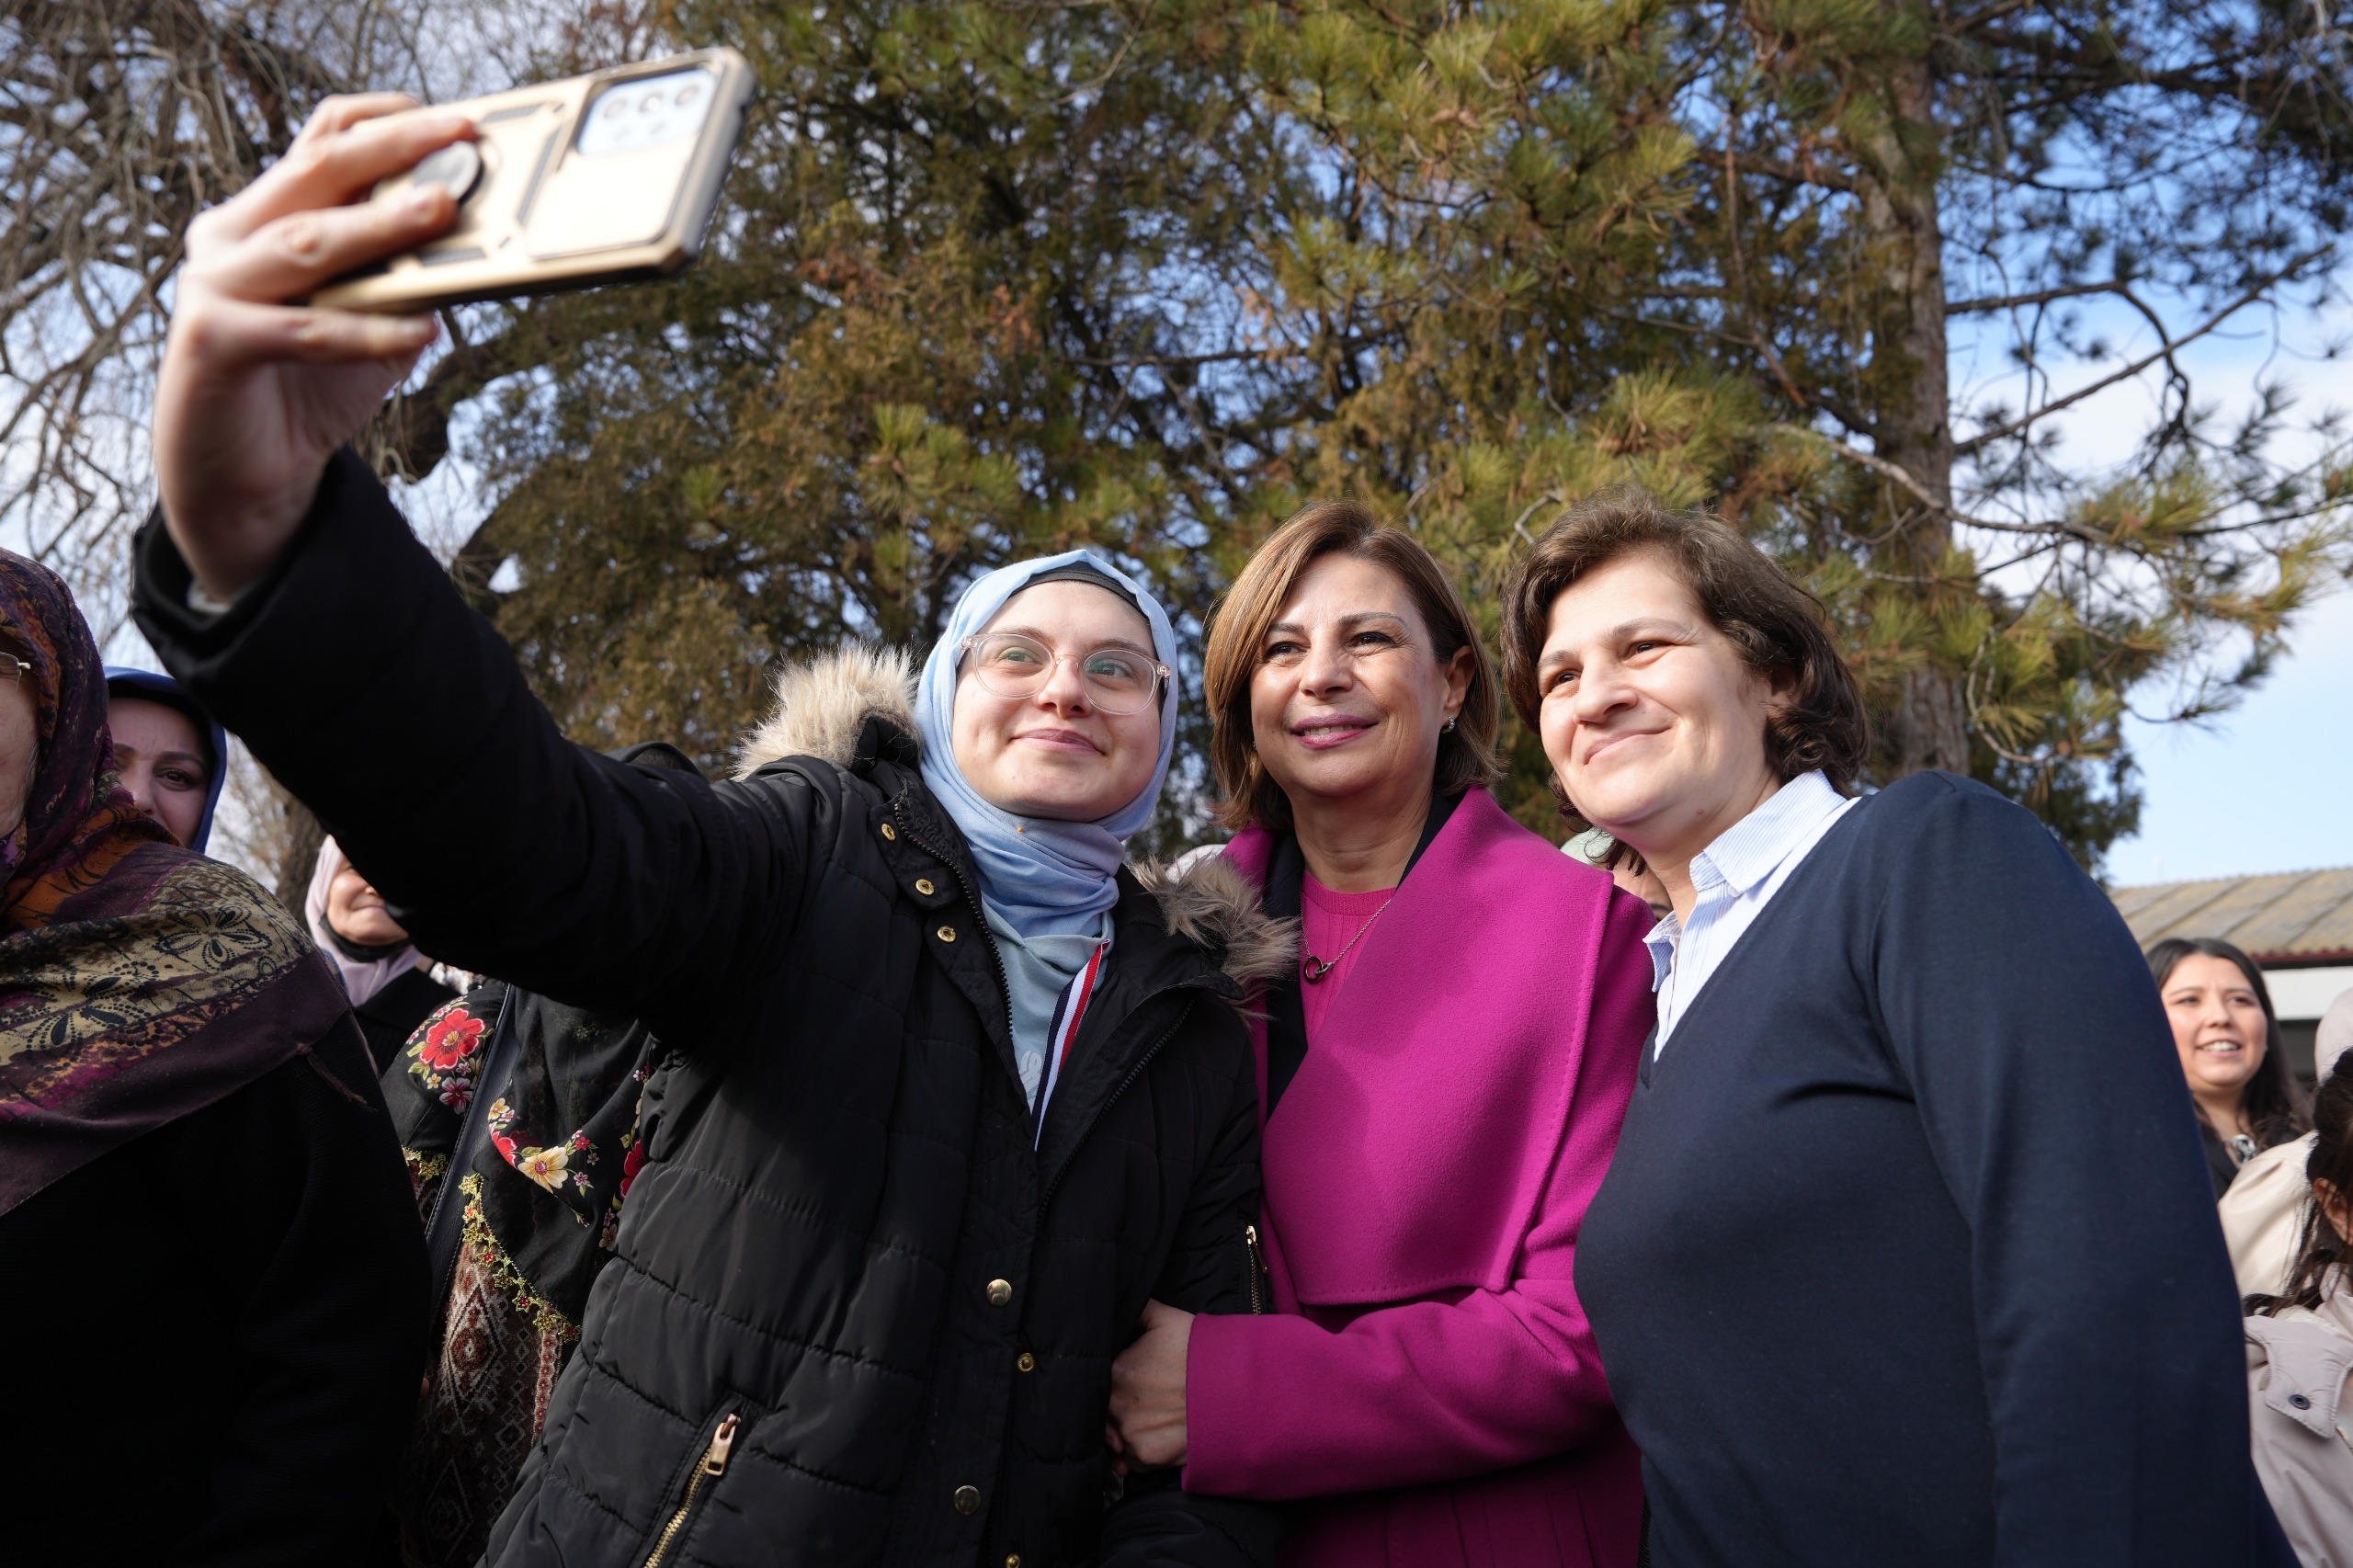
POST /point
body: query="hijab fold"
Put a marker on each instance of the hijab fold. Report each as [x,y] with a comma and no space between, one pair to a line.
[139,982]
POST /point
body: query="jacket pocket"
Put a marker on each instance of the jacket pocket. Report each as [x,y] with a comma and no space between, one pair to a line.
[699,1479]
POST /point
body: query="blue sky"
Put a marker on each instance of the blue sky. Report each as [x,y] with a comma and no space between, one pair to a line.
[2268,786]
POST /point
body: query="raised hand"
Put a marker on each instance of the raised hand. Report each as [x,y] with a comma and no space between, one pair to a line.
[255,393]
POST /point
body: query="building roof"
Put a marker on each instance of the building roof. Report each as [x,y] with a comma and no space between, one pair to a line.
[2286,918]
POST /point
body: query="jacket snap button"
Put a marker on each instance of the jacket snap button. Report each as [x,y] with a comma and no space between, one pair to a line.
[947,933]
[889,832]
[968,1499]
[2300,1401]
[923,886]
[1026,1362]
[1000,1292]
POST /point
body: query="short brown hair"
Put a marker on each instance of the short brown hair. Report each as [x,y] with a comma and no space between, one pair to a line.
[1780,629]
[1466,754]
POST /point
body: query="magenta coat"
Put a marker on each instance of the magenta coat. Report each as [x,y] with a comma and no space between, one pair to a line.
[1426,1174]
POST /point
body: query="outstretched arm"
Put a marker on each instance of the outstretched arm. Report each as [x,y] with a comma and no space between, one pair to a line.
[348,662]
[372,692]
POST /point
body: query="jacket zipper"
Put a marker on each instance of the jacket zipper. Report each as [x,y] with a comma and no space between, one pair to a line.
[1254,1265]
[1005,989]
[1113,1098]
[713,1465]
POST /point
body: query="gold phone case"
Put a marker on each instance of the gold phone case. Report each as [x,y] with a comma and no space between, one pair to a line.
[592,179]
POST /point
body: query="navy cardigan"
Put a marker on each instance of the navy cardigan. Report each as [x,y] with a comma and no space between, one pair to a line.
[1908,1254]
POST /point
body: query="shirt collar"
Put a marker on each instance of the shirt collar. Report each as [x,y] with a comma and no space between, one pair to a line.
[1661,941]
[1750,850]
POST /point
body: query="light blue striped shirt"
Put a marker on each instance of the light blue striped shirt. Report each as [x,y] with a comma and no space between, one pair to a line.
[1732,879]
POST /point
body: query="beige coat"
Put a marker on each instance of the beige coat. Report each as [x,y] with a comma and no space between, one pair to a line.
[2263,1216]
[2296,1366]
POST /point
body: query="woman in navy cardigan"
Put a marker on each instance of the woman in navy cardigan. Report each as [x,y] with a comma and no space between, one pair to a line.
[1908,1254]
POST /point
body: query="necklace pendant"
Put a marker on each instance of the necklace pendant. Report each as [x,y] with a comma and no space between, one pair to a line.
[1315,968]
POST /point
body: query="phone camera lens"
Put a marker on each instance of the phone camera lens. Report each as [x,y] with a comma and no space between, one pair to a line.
[688,94]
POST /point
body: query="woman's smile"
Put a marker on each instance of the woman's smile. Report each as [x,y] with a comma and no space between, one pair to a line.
[1058,740]
[1325,731]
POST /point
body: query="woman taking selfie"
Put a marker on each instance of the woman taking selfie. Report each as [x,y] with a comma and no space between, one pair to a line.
[1444,1075]
[2228,1042]
[949,1094]
[1907,1254]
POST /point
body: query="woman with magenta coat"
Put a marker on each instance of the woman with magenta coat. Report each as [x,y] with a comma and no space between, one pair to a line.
[1441,1085]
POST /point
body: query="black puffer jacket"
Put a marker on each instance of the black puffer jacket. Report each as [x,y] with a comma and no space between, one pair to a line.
[852,1317]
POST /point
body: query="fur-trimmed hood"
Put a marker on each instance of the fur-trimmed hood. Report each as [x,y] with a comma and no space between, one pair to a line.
[823,706]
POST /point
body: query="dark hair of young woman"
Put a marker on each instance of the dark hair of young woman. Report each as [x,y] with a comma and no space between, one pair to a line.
[2330,1171]
[2274,1104]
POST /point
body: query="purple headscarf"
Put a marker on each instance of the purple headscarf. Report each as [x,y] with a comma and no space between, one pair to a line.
[139,982]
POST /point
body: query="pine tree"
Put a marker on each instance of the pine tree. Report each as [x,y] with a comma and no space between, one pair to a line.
[944,322]
[1715,249]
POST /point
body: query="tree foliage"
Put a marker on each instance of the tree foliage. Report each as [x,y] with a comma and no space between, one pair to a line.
[993,276]
[1715,249]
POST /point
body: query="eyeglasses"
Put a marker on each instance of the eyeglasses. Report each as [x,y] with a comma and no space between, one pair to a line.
[1117,680]
[13,668]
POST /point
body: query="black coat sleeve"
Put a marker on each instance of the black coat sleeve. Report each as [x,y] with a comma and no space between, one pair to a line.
[1212,1267]
[364,683]
[331,1340]
[2020,1008]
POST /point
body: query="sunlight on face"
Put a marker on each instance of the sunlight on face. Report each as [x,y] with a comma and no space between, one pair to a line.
[1055,754]
[161,758]
[1652,721]
[2219,1028]
[1348,699]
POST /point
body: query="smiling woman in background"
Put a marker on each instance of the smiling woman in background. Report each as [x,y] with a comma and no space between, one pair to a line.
[2229,1040]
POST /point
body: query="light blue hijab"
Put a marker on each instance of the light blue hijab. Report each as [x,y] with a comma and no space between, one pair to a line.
[1038,878]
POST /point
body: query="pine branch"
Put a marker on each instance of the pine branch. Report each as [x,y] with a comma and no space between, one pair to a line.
[2252,296]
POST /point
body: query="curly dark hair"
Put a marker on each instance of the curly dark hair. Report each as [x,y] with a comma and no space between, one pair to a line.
[1780,629]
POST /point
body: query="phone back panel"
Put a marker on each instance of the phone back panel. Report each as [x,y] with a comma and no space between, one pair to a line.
[592,179]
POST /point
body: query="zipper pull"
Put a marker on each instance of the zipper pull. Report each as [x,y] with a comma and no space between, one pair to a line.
[714,1459]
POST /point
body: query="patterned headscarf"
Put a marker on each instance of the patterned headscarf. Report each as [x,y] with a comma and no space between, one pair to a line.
[139,982]
[74,824]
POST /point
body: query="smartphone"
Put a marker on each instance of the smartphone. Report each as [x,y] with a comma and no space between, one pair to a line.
[601,178]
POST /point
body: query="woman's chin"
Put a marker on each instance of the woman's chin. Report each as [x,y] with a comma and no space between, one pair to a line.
[1045,802]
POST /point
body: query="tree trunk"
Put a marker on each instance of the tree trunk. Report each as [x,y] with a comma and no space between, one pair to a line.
[296,837]
[1926,726]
